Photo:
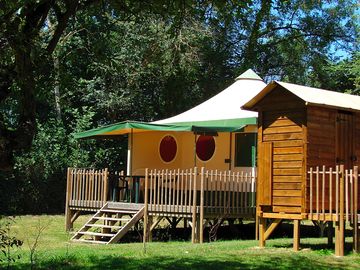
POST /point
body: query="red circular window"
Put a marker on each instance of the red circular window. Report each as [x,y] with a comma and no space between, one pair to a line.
[168,148]
[205,147]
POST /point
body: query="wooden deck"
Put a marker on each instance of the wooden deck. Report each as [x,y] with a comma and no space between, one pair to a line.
[191,194]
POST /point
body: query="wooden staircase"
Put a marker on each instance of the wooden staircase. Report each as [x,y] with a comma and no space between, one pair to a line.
[110,223]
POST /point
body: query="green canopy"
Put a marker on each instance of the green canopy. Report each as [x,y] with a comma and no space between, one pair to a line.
[121,128]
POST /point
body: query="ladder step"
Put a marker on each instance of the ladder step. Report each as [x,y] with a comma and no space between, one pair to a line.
[97,234]
[112,219]
[103,226]
[89,241]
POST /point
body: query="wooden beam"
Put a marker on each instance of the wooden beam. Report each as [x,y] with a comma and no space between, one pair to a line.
[156,223]
[75,216]
[296,245]
[272,227]
[283,216]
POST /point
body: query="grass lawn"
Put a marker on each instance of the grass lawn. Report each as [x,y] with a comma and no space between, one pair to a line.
[54,251]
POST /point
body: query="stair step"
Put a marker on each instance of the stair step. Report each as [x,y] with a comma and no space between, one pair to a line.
[118,211]
[103,226]
[89,241]
[97,234]
[112,219]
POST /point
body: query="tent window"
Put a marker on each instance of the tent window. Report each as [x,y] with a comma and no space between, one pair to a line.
[245,149]
[168,148]
[205,147]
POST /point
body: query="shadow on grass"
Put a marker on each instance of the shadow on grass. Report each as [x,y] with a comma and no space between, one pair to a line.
[317,247]
[163,262]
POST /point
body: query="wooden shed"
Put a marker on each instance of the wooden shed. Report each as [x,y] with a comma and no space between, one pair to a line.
[302,129]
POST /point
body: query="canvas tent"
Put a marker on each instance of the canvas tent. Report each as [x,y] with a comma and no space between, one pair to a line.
[201,136]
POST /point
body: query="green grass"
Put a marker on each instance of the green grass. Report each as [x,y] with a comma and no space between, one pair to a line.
[56,252]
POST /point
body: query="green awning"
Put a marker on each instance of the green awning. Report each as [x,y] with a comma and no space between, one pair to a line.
[121,128]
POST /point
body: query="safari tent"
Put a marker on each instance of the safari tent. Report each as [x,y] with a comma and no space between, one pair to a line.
[216,134]
[195,166]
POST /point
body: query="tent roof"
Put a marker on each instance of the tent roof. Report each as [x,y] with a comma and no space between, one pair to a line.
[226,104]
[311,96]
[121,128]
[220,113]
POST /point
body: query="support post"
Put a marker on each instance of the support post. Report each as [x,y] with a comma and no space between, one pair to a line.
[330,233]
[194,214]
[145,234]
[256,227]
[262,229]
[201,221]
[68,223]
[296,245]
[340,224]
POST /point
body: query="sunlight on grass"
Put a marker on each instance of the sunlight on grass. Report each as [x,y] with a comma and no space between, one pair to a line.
[54,251]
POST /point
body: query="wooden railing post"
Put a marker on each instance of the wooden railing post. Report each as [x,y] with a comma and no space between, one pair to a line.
[68,224]
[145,236]
[355,213]
[105,185]
[194,214]
[202,205]
[340,224]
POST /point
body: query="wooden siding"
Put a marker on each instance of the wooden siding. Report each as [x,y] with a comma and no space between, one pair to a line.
[321,128]
[283,120]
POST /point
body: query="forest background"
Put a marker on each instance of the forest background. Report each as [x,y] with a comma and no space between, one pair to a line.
[67,66]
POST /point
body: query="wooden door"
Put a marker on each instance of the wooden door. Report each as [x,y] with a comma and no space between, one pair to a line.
[345,139]
[264,185]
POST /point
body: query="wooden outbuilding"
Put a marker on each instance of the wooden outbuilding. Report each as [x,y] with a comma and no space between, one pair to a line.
[307,139]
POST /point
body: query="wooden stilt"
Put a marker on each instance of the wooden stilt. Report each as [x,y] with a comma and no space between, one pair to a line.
[330,233]
[68,214]
[150,222]
[68,223]
[340,225]
[296,245]
[193,231]
[256,227]
[262,229]
[146,209]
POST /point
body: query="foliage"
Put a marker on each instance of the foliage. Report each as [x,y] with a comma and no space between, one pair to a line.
[67,66]
[8,243]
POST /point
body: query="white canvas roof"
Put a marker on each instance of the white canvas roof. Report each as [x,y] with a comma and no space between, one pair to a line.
[311,95]
[226,104]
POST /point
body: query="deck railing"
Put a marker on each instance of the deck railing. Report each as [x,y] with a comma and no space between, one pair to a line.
[333,194]
[217,193]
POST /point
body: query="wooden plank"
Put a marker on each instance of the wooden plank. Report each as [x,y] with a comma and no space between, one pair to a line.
[281,137]
[282,130]
[288,150]
[287,192]
[287,164]
[292,171]
[280,122]
[286,209]
[287,143]
[286,201]
[290,157]
[287,179]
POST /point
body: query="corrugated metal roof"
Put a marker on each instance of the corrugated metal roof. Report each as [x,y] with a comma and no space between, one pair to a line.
[311,95]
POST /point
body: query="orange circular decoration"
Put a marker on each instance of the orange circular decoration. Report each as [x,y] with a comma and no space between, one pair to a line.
[205,147]
[168,148]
